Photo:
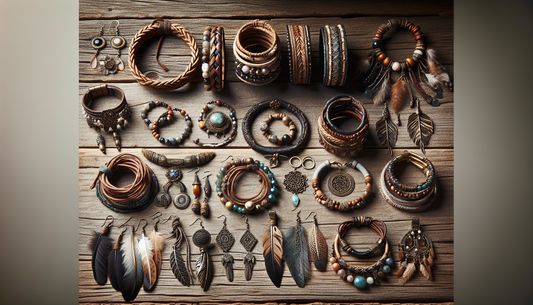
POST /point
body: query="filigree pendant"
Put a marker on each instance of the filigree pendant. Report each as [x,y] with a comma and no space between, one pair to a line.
[295,182]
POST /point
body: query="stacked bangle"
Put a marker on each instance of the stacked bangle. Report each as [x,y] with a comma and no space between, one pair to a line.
[257,68]
[133,197]
[217,123]
[286,138]
[360,276]
[206,50]
[409,197]
[337,141]
[345,186]
[164,119]
[274,104]
[299,47]
[227,178]
[378,225]
[108,119]
[333,52]
[217,59]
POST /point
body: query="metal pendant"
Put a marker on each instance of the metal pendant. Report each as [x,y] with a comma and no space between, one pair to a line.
[225,241]
[341,184]
[415,251]
[182,200]
[248,241]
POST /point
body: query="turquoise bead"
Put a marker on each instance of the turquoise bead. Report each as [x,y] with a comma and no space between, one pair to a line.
[369,93]
[386,269]
[223,170]
[216,118]
[270,175]
[219,189]
[419,188]
[395,160]
[429,182]
[431,177]
[265,169]
[234,207]
[359,282]
[295,200]
[218,182]
[389,261]
[261,165]
[424,186]
[274,190]
[273,182]
[220,175]
[271,198]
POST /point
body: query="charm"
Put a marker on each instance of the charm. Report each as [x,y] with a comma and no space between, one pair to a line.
[386,129]
[341,183]
[118,42]
[100,141]
[204,265]
[295,182]
[182,200]
[225,240]
[196,185]
[204,210]
[180,267]
[415,249]
[248,241]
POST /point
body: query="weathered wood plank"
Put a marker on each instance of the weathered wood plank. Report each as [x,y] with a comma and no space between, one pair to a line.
[438,33]
[101,9]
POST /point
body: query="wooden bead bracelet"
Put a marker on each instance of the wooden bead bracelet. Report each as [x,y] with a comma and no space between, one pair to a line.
[164,119]
[156,28]
[227,177]
[286,138]
[361,276]
[299,51]
[217,123]
[409,197]
[333,55]
[345,185]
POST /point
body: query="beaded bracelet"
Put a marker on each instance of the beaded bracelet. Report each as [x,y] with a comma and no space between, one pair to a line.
[217,123]
[299,51]
[164,119]
[274,104]
[108,119]
[286,138]
[134,197]
[156,28]
[333,55]
[206,50]
[341,184]
[409,197]
[217,59]
[228,175]
[333,139]
[358,275]
[257,68]
[367,222]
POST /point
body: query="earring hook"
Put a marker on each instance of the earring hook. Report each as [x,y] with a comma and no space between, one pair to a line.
[312,212]
[112,220]
[126,228]
[246,221]
[197,169]
[139,224]
[111,25]
[101,24]
[166,220]
[230,156]
[201,224]
[159,214]
[224,218]
[125,222]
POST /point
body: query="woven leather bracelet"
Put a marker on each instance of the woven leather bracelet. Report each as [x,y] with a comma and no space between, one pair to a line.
[299,50]
[274,104]
[378,226]
[156,28]
[217,68]
[333,55]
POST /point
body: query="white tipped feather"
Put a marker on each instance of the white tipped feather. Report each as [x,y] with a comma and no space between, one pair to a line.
[411,268]
[431,54]
[133,272]
[150,272]
[432,80]
[423,271]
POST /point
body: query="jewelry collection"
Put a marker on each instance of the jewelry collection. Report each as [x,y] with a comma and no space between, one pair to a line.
[135,262]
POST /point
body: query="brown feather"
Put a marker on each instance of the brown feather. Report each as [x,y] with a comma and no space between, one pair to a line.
[428,269]
[318,248]
[383,91]
[430,261]
[400,272]
[273,251]
[158,241]
[431,252]
[400,255]
[411,268]
[398,95]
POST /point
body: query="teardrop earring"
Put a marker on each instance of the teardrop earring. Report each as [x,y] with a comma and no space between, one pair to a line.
[118,42]
[97,43]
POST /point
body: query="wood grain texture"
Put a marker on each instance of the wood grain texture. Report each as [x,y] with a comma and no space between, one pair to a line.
[361,20]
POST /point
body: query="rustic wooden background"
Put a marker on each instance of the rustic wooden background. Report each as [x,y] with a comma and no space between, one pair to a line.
[361,21]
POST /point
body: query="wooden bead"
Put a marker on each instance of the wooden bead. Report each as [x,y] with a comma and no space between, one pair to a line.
[205,108]
[378,35]
[218,102]
[183,112]
[410,61]
[201,124]
[332,260]
[386,61]
[335,267]
[381,57]
[286,120]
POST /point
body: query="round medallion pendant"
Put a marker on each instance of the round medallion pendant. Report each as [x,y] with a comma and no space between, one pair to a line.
[341,184]
[118,42]
[163,200]
[182,201]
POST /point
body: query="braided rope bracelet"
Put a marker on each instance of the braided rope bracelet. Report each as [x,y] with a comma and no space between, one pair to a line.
[377,225]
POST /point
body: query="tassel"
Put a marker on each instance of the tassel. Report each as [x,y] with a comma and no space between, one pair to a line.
[181,269]
[101,245]
[384,90]
[114,263]
[318,248]
[296,253]
[411,268]
[273,251]
[150,272]
[398,94]
[133,270]
[438,70]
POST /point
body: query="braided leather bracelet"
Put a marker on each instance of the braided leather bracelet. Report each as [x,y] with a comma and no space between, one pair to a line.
[162,27]
[333,55]
[378,226]
[217,63]
[299,50]
[274,104]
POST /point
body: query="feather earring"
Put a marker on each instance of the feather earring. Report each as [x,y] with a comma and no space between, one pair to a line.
[204,265]
[399,93]
[114,263]
[296,253]
[318,248]
[415,249]
[248,241]
[158,241]
[386,129]
[273,251]
[181,269]
[133,269]
[420,127]
[146,249]
[436,69]
[225,240]
[380,88]
[100,244]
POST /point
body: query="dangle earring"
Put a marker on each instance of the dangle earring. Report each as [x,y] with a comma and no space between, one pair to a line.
[196,185]
[181,268]
[296,252]
[295,182]
[204,265]
[114,263]
[225,240]
[158,241]
[248,241]
[100,245]
[133,268]
[97,43]
[318,248]
[182,200]
[118,42]
[148,265]
[207,192]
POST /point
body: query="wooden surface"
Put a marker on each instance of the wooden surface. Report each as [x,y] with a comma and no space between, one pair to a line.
[361,21]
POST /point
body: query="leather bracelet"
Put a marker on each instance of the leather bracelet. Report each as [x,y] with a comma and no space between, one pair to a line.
[299,51]
[156,28]
[411,198]
[333,55]
[217,62]
[108,119]
[274,104]
[378,226]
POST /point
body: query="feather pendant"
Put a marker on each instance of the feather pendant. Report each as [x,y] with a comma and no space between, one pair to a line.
[400,255]
[411,268]
[420,127]
[296,254]
[438,70]
[430,260]
[204,269]
[150,272]
[383,91]
[398,94]
[425,265]
[249,262]
[158,241]
[180,267]
[364,68]
[227,262]
[133,270]
[432,81]
[115,267]
[101,245]
[400,271]
[318,248]
[423,270]
[273,251]
[386,129]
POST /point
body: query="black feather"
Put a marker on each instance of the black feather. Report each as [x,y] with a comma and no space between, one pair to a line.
[133,270]
[116,271]
[100,245]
